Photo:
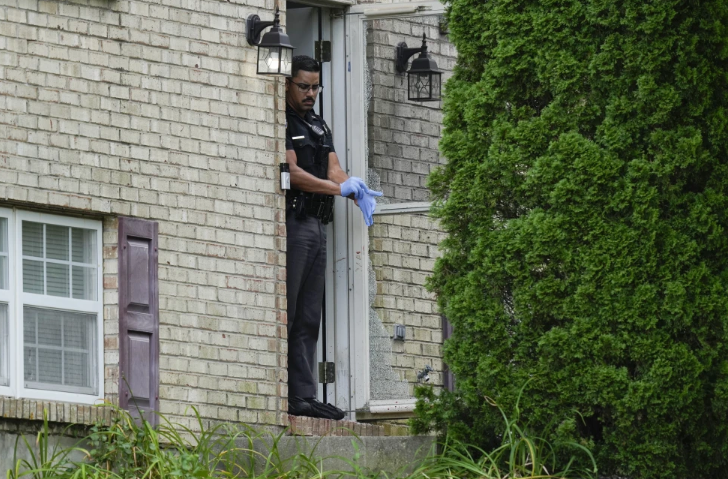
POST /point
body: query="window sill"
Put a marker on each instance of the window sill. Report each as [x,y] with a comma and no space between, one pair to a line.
[402,208]
[44,395]
[388,409]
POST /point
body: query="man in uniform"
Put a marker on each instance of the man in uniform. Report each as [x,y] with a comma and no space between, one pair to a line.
[316,177]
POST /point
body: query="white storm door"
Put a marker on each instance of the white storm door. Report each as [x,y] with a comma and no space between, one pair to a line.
[361,81]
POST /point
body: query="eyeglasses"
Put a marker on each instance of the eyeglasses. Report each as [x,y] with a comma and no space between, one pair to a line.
[305,87]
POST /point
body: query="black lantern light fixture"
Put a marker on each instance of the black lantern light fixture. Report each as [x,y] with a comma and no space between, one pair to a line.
[275,52]
[424,79]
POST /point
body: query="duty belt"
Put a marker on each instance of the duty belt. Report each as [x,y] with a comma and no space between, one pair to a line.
[313,204]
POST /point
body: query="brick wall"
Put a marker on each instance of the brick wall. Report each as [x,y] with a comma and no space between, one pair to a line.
[403,135]
[152,109]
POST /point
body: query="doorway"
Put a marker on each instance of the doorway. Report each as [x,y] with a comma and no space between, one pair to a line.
[307,25]
[360,76]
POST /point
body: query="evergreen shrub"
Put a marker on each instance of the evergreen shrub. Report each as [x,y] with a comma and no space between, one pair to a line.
[585,199]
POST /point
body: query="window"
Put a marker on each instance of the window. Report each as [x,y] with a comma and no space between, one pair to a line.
[50,307]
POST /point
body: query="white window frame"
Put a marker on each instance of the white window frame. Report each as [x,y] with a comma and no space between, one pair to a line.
[358,284]
[7,296]
[17,299]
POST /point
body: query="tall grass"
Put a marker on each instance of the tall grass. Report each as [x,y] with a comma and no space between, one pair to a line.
[128,449]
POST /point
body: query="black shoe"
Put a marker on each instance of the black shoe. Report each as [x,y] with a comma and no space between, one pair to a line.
[312,408]
[299,407]
[326,411]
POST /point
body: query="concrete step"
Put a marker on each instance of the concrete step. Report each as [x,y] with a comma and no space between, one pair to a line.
[395,455]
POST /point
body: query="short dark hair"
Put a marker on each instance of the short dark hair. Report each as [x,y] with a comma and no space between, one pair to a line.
[305,63]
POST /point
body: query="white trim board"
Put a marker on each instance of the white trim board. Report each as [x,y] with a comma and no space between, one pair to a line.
[388,406]
[327,3]
[402,208]
[337,297]
[396,9]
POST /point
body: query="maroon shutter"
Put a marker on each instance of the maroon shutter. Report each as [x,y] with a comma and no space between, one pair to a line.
[448,381]
[138,318]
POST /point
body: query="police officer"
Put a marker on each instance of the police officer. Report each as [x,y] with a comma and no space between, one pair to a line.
[316,177]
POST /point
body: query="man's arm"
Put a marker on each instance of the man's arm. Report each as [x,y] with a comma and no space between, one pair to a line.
[305,181]
[335,173]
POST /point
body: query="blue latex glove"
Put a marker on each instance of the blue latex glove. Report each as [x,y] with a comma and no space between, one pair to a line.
[353,186]
[367,204]
[371,192]
[358,188]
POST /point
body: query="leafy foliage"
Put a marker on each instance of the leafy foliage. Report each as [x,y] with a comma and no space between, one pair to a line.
[129,450]
[585,200]
[515,451]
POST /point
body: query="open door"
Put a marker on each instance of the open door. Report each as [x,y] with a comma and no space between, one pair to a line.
[393,143]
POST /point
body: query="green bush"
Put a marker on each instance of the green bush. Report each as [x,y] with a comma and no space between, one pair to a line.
[585,200]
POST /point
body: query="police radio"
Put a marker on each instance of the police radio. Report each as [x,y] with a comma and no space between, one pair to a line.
[316,130]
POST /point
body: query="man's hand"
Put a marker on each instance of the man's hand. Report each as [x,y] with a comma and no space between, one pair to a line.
[356,188]
[352,186]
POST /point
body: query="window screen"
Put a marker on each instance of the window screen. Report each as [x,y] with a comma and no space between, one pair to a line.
[59,261]
[58,350]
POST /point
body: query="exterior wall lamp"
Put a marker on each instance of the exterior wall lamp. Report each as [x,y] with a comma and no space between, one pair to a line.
[424,78]
[275,52]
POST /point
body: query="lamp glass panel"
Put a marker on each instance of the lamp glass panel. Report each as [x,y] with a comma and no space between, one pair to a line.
[273,61]
[419,86]
[286,61]
[264,59]
[436,82]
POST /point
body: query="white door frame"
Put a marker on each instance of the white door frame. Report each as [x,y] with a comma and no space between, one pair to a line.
[338,277]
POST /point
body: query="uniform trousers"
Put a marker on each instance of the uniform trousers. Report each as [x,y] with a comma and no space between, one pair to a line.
[305,273]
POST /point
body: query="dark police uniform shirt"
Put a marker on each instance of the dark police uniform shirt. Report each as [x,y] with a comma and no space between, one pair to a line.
[308,148]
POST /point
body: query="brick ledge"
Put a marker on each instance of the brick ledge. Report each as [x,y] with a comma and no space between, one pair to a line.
[31,409]
[310,426]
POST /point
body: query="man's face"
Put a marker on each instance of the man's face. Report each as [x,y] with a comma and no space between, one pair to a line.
[301,101]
